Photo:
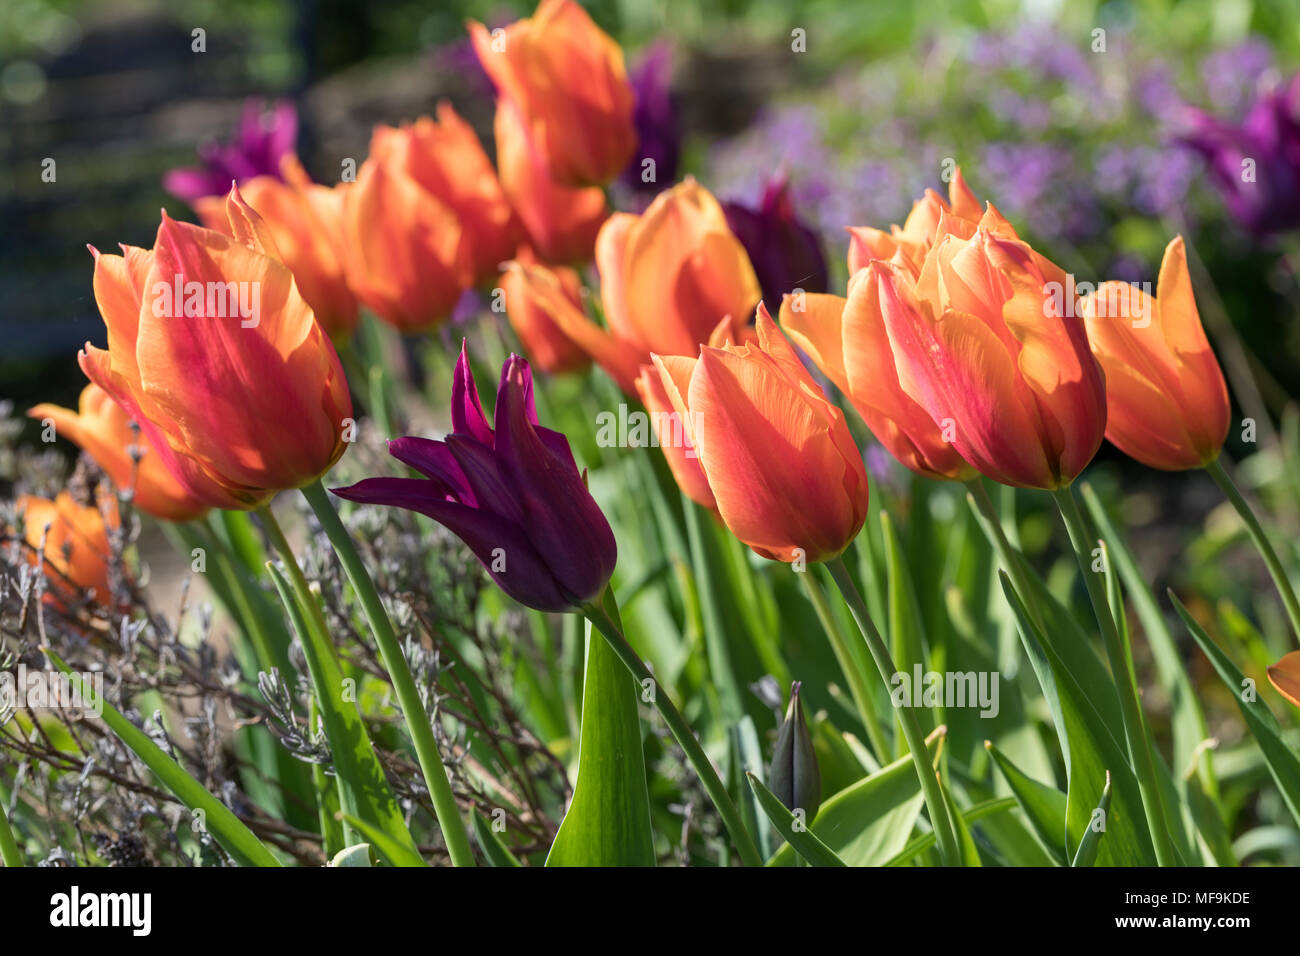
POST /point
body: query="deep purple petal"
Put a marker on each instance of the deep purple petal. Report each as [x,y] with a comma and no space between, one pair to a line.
[434,460]
[481,469]
[467,416]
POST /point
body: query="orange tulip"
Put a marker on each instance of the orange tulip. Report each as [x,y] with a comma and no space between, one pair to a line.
[561,222]
[653,384]
[778,457]
[533,293]
[408,253]
[305,219]
[1167,400]
[982,344]
[908,244]
[667,277]
[1285,677]
[847,340]
[76,544]
[568,81]
[104,432]
[448,162]
[212,350]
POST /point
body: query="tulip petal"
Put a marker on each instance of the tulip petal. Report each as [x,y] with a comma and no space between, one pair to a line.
[1285,677]
[467,416]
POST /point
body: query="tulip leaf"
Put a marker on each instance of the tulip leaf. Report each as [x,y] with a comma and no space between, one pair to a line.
[968,819]
[1282,761]
[1044,806]
[906,626]
[608,820]
[1086,854]
[497,853]
[870,822]
[1090,747]
[804,841]
[363,790]
[225,827]
[970,854]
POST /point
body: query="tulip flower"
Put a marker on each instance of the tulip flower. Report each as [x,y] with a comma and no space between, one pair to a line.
[847,340]
[305,219]
[567,79]
[446,159]
[673,437]
[999,363]
[787,478]
[907,245]
[561,222]
[1255,165]
[1165,394]
[786,253]
[510,490]
[104,432]
[655,118]
[75,537]
[212,350]
[1285,677]
[667,277]
[261,142]
[409,257]
[531,292]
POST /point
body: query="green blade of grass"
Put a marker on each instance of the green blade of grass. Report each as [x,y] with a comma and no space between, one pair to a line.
[497,853]
[1086,855]
[804,841]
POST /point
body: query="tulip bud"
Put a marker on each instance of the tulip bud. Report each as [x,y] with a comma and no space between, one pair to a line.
[1167,402]
[795,778]
[786,253]
[567,79]
[104,432]
[512,493]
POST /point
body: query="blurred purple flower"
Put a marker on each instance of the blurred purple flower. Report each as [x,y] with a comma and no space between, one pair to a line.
[655,117]
[510,490]
[1264,193]
[261,139]
[786,253]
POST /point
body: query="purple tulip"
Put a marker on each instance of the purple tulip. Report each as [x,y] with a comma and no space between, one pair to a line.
[655,119]
[261,140]
[1264,196]
[513,495]
[786,254]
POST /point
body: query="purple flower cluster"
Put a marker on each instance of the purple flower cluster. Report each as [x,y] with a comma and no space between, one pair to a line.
[261,139]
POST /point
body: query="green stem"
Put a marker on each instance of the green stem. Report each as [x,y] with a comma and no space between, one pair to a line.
[1122,671]
[9,852]
[934,800]
[858,687]
[604,617]
[1012,560]
[408,697]
[716,637]
[1280,580]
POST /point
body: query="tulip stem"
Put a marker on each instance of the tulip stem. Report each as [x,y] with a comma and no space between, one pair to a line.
[408,696]
[1280,579]
[606,620]
[1012,560]
[934,799]
[1121,666]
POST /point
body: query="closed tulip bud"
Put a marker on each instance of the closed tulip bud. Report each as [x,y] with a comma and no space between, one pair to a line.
[511,491]
[305,219]
[212,350]
[533,293]
[847,340]
[795,778]
[667,277]
[784,471]
[984,346]
[104,432]
[785,252]
[446,159]
[1167,402]
[408,254]
[562,222]
[568,80]
[76,549]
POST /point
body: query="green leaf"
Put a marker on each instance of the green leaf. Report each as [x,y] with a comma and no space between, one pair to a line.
[906,626]
[358,855]
[1281,760]
[393,850]
[970,855]
[870,822]
[497,853]
[1091,747]
[1044,806]
[225,827]
[968,819]
[608,821]
[804,841]
[1086,855]
[9,852]
[363,789]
